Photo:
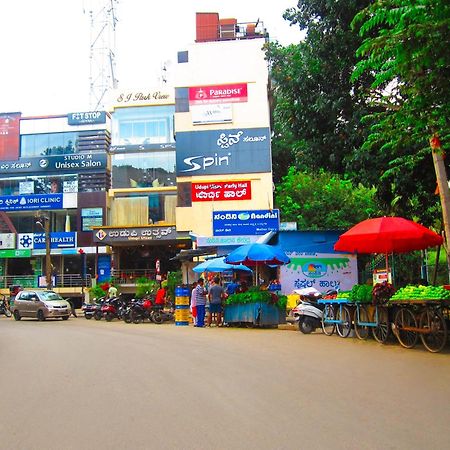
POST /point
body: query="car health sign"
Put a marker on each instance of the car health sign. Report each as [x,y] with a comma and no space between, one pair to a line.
[250,222]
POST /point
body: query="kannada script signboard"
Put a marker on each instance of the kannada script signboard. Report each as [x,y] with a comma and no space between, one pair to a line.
[222,190]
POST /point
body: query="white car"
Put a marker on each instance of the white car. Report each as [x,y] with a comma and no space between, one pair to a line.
[40,304]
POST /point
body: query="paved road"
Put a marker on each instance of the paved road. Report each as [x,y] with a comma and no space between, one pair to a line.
[95,385]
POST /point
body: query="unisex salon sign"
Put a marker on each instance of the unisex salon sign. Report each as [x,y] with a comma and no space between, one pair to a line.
[218,152]
[77,161]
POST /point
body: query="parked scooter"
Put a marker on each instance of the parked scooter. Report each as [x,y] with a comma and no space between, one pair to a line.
[4,307]
[309,312]
[93,310]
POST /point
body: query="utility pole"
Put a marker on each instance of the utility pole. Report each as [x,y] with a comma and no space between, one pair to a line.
[44,223]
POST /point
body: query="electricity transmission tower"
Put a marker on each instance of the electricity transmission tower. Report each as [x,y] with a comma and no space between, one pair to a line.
[103,20]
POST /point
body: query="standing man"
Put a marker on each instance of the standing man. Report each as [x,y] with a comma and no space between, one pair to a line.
[193,305]
[112,292]
[215,297]
[200,300]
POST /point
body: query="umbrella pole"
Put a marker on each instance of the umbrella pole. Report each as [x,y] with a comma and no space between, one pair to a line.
[387,267]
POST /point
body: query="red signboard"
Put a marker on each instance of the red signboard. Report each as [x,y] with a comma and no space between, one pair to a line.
[223,93]
[222,190]
[9,136]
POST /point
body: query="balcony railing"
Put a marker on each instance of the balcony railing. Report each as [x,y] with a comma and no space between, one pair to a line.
[32,281]
[129,276]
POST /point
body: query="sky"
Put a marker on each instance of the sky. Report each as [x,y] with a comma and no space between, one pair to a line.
[45,45]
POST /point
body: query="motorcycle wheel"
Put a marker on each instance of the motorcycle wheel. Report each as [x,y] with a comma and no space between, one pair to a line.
[305,325]
[109,317]
[88,316]
[127,318]
[8,312]
[98,315]
[136,318]
[157,317]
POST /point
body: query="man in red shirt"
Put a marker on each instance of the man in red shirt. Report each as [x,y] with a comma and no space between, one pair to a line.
[161,296]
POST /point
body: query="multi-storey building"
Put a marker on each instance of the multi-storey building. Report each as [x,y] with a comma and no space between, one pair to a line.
[222,124]
[53,169]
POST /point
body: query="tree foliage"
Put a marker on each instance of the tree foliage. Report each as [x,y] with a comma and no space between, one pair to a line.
[407,48]
[317,110]
[323,201]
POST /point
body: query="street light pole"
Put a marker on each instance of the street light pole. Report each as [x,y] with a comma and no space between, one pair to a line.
[48,261]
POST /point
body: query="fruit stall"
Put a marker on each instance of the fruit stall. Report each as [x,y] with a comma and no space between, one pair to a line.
[408,313]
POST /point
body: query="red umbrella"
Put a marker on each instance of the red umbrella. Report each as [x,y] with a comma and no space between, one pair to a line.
[387,235]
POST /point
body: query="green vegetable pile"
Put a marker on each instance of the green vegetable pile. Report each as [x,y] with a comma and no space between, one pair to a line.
[255,295]
[361,293]
[421,293]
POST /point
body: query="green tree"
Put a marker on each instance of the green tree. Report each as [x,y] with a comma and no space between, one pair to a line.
[406,48]
[323,201]
[316,109]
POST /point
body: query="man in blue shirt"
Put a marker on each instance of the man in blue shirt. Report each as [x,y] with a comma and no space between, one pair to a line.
[200,300]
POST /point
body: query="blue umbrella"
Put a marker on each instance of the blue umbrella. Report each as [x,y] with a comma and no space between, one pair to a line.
[218,265]
[256,254]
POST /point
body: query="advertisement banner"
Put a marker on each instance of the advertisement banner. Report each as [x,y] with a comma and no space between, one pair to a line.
[9,136]
[323,271]
[57,240]
[204,114]
[60,163]
[7,240]
[208,241]
[222,93]
[142,234]
[254,222]
[31,202]
[221,190]
[141,97]
[84,118]
[217,152]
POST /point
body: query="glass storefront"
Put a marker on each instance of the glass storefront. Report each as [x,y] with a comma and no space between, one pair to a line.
[39,185]
[143,125]
[149,169]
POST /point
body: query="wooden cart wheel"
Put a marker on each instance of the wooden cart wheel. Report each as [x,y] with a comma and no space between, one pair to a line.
[405,318]
[433,324]
[362,331]
[328,313]
[382,330]
[344,325]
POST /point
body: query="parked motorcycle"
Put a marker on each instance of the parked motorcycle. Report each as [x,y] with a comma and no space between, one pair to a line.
[160,314]
[309,312]
[112,308]
[141,309]
[4,308]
